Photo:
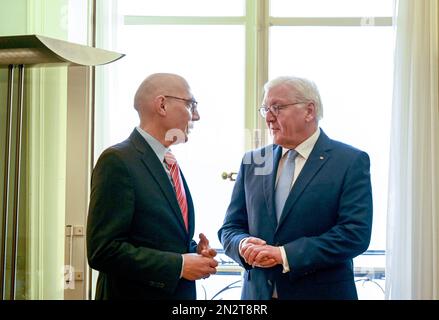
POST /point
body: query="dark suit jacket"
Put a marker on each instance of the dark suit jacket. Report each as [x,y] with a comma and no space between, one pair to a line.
[325,223]
[135,229]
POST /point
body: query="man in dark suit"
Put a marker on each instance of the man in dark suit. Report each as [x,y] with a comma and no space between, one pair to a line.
[301,209]
[141,216]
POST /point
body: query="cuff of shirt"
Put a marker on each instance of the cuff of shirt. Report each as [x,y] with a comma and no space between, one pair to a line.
[182,265]
[286,266]
[240,244]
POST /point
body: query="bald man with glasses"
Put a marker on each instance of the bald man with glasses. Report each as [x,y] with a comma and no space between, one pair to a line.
[141,218]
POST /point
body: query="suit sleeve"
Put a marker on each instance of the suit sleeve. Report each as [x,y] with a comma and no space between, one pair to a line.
[235,226]
[350,236]
[193,246]
[112,205]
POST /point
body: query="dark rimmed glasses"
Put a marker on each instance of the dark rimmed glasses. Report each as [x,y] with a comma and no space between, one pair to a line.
[191,104]
[274,109]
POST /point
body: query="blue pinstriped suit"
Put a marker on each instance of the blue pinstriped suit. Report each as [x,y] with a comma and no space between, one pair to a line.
[325,223]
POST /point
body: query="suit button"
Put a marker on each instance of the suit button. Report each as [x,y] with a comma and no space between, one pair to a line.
[269,283]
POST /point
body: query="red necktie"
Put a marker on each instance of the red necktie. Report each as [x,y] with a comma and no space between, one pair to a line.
[178,185]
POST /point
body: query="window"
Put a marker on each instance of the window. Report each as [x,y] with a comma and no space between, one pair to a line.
[178,8]
[353,68]
[210,54]
[227,50]
[333,8]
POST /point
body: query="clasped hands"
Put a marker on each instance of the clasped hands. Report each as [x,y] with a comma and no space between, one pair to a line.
[202,264]
[257,253]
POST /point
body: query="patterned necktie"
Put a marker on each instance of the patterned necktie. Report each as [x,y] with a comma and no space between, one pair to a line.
[284,183]
[174,170]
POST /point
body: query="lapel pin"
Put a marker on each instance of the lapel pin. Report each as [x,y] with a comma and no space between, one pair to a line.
[321,158]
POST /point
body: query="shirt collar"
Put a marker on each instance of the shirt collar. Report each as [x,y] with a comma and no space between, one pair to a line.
[156,146]
[304,149]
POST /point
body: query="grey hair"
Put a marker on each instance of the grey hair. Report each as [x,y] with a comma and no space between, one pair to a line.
[306,90]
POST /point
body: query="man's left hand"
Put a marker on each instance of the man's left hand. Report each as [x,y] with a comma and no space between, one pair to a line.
[203,247]
[265,256]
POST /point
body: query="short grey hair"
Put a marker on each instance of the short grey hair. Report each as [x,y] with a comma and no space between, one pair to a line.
[306,90]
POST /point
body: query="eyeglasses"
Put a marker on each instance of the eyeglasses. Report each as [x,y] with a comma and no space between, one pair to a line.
[274,109]
[191,104]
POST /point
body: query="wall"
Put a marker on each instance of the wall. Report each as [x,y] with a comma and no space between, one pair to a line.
[44,153]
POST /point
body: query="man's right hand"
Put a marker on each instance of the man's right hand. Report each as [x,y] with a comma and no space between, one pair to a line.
[248,243]
[196,266]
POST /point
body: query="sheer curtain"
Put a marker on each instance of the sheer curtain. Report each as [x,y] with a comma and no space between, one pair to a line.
[412,266]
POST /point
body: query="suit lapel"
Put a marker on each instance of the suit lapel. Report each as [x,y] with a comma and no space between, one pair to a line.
[319,155]
[268,182]
[157,171]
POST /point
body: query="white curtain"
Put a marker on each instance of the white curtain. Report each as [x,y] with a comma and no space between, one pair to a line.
[107,26]
[412,265]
